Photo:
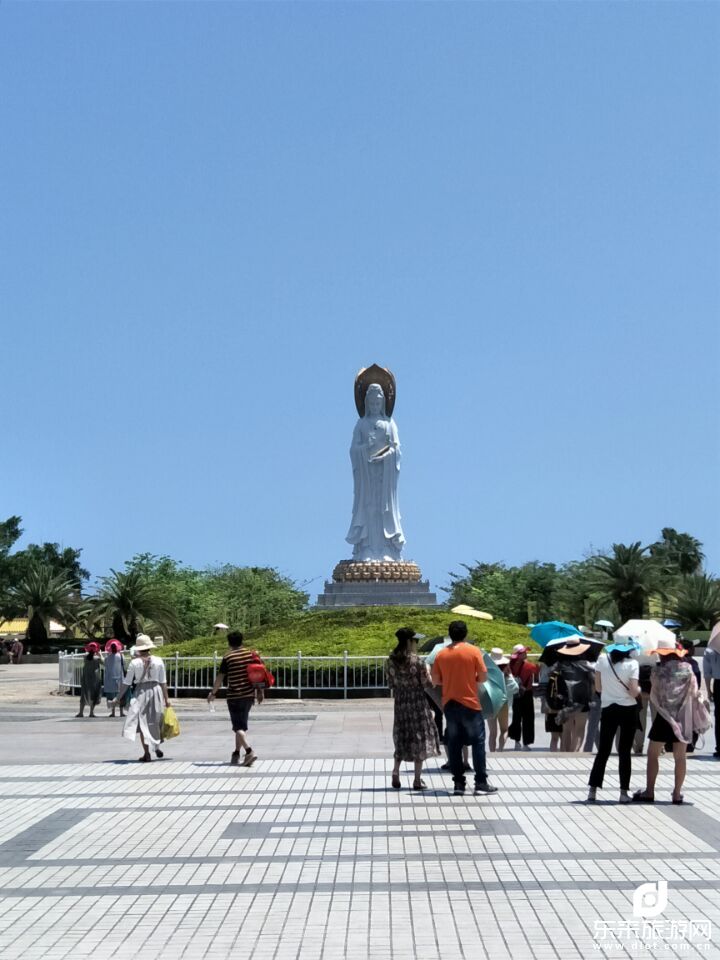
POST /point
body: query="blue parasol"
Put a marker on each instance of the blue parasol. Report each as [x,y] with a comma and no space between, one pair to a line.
[543,633]
[492,693]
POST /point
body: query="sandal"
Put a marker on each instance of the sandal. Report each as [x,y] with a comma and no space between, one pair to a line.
[395,782]
[419,785]
[677,798]
[642,796]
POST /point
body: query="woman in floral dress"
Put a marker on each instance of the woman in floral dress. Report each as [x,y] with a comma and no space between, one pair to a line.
[414,731]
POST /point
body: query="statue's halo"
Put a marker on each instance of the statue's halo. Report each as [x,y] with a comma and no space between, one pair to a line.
[375,374]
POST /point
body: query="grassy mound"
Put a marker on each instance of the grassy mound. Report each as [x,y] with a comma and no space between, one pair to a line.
[359,630]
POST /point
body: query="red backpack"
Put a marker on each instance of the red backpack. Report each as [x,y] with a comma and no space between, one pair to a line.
[258,674]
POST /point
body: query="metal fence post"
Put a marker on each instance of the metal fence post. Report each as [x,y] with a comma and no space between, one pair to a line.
[345,661]
[177,670]
[214,668]
[299,675]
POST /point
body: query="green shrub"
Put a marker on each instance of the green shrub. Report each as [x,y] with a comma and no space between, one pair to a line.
[359,630]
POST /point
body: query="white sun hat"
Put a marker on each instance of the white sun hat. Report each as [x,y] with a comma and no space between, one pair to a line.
[143,642]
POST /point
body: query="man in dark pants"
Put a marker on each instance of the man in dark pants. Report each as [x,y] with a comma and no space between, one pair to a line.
[458,669]
[522,726]
[711,672]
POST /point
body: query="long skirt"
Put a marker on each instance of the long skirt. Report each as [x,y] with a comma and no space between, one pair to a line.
[145,713]
[414,732]
[90,686]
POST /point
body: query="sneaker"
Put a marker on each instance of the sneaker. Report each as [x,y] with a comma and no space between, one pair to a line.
[249,758]
[459,792]
[517,745]
[158,753]
[485,787]
[592,795]
[625,797]
[445,766]
[235,758]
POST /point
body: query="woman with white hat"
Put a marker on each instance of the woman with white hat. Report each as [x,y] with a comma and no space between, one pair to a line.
[150,698]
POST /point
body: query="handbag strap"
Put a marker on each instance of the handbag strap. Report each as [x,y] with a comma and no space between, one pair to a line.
[612,667]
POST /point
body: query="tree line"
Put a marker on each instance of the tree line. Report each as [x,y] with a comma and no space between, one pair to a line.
[629,581]
[160,595]
[46,582]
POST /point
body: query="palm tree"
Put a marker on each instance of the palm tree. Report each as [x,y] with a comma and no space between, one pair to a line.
[46,595]
[678,553]
[129,601]
[626,578]
[697,603]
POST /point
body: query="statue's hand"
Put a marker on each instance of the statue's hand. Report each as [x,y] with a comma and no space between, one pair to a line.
[381,454]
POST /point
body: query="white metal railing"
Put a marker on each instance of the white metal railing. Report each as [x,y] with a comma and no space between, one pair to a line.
[299,674]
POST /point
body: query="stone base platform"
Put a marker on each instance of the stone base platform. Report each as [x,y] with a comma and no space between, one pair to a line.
[379,593]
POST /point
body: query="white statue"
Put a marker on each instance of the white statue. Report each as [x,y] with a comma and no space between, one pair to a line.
[375,530]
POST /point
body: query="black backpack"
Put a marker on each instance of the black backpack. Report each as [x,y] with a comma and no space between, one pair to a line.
[579,681]
[557,690]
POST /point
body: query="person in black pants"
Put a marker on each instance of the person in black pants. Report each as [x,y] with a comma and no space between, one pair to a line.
[616,680]
[522,726]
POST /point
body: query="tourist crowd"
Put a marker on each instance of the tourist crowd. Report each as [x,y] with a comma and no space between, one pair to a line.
[459,697]
[585,705]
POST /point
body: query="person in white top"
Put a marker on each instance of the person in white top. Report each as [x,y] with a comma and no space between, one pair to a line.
[145,713]
[616,680]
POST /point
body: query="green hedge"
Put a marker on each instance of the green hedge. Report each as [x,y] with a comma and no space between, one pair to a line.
[359,630]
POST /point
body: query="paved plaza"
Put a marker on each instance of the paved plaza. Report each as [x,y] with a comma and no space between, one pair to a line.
[310,854]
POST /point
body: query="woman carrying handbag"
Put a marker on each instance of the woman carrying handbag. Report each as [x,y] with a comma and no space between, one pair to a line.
[616,680]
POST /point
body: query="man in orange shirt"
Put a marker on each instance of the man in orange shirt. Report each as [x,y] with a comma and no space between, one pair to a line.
[458,669]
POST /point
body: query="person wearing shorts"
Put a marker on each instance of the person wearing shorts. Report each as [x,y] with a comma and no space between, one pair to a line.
[673,688]
[241,695]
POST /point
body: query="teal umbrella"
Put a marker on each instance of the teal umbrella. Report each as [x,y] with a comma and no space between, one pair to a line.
[493,695]
[544,633]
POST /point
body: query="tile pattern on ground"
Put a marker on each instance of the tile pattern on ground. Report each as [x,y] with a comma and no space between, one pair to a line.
[319,859]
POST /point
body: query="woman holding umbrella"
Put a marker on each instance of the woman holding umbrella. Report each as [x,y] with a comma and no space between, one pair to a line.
[570,686]
[616,680]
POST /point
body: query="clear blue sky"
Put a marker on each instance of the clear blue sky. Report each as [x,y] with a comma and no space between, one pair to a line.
[213,215]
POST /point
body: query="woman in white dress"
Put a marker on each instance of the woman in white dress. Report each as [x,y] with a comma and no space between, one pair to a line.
[150,698]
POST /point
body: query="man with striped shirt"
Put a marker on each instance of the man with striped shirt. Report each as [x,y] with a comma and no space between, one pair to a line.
[240,695]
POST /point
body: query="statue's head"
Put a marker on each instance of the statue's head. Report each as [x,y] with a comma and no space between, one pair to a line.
[374,400]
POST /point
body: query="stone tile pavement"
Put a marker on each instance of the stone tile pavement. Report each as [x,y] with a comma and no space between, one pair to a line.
[304,857]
